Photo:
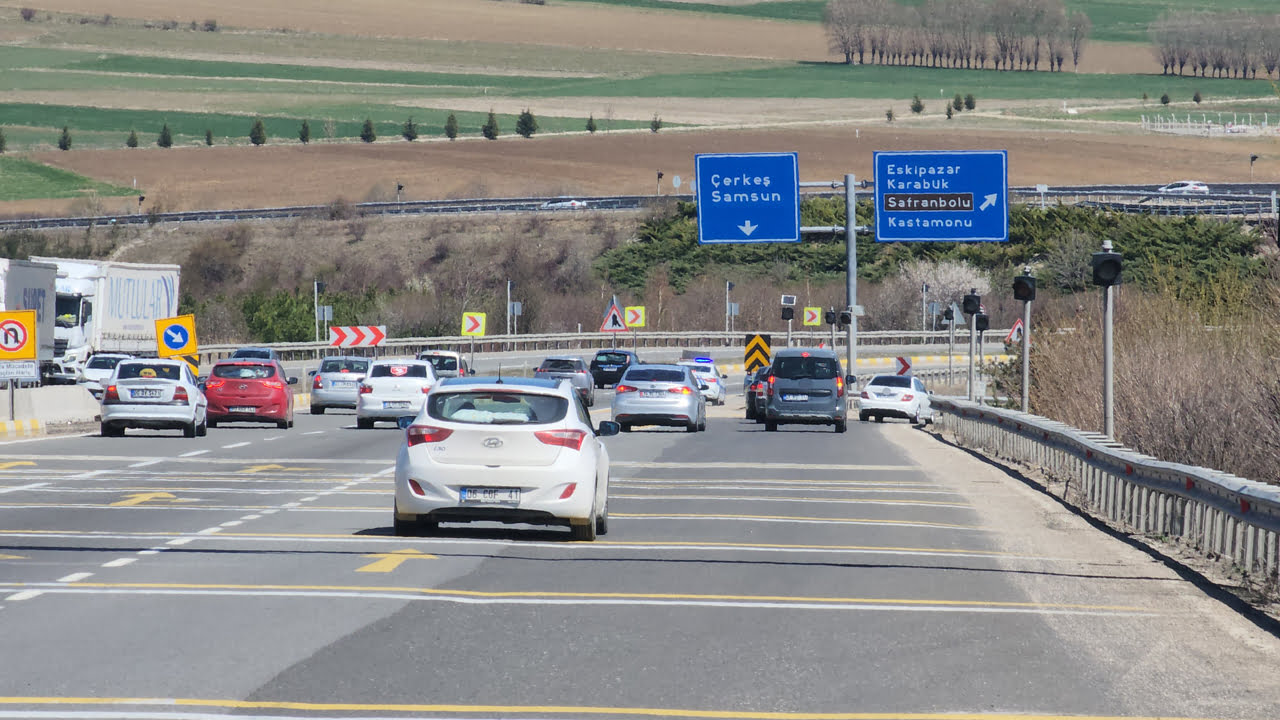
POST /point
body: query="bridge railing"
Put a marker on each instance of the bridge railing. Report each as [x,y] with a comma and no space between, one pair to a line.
[1215,512]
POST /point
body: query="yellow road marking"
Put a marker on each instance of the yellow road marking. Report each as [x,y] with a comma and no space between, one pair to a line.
[261,468]
[12,557]
[560,595]
[11,465]
[140,498]
[386,562]
[797,517]
[504,710]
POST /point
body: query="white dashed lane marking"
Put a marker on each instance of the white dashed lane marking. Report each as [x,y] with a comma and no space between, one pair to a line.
[157,461]
[120,562]
[234,445]
[193,453]
[75,577]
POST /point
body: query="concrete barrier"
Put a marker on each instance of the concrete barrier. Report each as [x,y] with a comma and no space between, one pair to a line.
[37,411]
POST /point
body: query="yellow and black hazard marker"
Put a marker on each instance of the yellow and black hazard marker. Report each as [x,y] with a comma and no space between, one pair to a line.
[756,355]
[192,361]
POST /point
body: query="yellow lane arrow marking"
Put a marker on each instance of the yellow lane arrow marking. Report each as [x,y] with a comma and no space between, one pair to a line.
[139,498]
[263,468]
[18,463]
[386,562]
[12,557]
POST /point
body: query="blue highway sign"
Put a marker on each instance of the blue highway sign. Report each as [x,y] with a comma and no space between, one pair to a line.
[748,198]
[175,337]
[953,196]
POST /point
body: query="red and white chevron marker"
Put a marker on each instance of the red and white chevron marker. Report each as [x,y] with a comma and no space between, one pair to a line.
[357,335]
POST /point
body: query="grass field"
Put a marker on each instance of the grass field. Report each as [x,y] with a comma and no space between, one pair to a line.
[23,179]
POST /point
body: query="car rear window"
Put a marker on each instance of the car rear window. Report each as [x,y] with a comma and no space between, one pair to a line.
[654,375]
[148,371]
[564,365]
[796,367]
[399,371]
[244,372]
[497,407]
[443,362]
[891,381]
[255,354]
[612,358]
[344,366]
[704,369]
[104,363]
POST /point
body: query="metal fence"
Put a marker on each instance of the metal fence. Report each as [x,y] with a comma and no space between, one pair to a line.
[1217,513]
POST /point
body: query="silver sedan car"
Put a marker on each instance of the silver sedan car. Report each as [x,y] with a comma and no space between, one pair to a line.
[337,383]
[573,369]
[659,395]
[153,394]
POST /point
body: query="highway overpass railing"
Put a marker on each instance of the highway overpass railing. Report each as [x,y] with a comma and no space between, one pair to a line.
[1214,512]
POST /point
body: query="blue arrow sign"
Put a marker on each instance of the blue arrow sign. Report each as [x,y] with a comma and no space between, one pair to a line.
[748,198]
[956,196]
[175,337]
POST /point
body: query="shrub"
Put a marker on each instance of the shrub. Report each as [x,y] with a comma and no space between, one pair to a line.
[28,14]
[367,132]
[917,105]
[64,140]
[969,102]
[3,141]
[133,139]
[166,137]
[210,26]
[957,103]
[490,127]
[304,132]
[888,115]
[591,123]
[1164,99]
[1197,97]
[655,124]
[208,138]
[949,112]
[258,133]
[410,130]
[526,124]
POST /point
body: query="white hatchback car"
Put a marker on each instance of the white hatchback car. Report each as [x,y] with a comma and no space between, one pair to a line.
[510,450]
[97,370]
[900,396]
[1185,187]
[153,394]
[393,389]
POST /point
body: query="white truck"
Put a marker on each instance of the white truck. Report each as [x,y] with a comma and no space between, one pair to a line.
[26,285]
[105,306]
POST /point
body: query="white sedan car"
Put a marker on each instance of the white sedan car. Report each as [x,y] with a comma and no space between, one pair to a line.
[510,450]
[707,373]
[1185,187]
[153,394]
[393,389]
[901,396]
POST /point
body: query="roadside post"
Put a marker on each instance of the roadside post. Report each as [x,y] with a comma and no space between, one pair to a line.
[788,313]
[1107,268]
[1024,289]
[18,346]
[949,315]
[972,305]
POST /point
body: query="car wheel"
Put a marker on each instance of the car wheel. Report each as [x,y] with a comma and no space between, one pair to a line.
[915,419]
[624,427]
[109,430]
[189,430]
[202,429]
[403,528]
[317,409]
[751,412]
[879,418]
[212,423]
[841,426]
[770,426]
[862,417]
[364,423]
[702,425]
[585,532]
[691,427]
[282,424]
[602,520]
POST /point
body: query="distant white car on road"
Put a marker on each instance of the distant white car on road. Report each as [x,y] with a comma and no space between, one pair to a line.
[901,396]
[564,204]
[1185,187]
[393,389]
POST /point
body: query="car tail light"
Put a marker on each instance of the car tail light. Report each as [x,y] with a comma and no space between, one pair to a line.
[907,397]
[366,389]
[866,394]
[772,379]
[273,384]
[839,387]
[426,389]
[619,389]
[568,491]
[214,383]
[315,384]
[180,395]
[418,434]
[682,390]
[111,394]
[571,439]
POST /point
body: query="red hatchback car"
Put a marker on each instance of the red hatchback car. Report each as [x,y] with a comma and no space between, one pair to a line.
[249,391]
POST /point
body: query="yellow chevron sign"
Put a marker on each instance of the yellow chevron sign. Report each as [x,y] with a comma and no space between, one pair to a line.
[756,355]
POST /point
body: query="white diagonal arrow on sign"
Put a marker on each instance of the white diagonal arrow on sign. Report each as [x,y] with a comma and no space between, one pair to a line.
[747,228]
[988,201]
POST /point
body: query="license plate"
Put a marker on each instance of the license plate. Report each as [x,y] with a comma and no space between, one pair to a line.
[885,394]
[340,385]
[504,496]
[652,393]
[244,409]
[795,398]
[609,367]
[395,405]
[144,393]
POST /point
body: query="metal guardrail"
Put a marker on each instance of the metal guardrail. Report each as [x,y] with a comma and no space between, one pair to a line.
[1215,512]
[589,341]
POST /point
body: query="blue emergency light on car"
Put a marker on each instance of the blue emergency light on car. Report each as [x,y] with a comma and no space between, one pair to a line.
[703,360]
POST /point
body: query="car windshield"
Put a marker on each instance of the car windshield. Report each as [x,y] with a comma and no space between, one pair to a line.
[344,366]
[399,371]
[244,372]
[796,367]
[654,375]
[256,353]
[561,364]
[443,362]
[148,371]
[612,358]
[497,407]
[901,381]
[104,363]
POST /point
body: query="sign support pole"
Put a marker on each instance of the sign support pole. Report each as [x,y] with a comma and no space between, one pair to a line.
[973,340]
[951,348]
[851,273]
[788,333]
[11,400]
[1026,356]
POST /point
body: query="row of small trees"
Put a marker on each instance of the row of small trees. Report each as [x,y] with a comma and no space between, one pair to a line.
[1011,34]
[1227,44]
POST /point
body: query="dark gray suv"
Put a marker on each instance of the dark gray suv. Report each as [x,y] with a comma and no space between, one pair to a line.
[805,386]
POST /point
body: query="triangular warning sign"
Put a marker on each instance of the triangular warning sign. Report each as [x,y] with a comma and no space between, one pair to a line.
[1015,333]
[613,321]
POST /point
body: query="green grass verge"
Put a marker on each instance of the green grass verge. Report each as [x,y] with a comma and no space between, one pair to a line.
[22,179]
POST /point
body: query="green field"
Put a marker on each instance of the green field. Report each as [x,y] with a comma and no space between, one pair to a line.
[23,180]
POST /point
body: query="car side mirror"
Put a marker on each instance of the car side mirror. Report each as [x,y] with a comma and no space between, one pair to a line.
[311,373]
[724,376]
[608,428]
[703,386]
[293,381]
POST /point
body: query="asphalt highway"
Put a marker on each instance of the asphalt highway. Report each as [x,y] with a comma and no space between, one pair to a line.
[798,574]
